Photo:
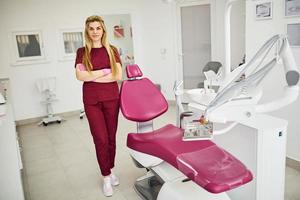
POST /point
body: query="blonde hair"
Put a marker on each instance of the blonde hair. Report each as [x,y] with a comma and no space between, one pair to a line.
[104,40]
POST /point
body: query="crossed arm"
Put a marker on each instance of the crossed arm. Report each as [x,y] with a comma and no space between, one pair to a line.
[100,76]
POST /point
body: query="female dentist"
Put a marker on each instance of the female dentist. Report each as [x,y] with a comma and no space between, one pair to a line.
[98,65]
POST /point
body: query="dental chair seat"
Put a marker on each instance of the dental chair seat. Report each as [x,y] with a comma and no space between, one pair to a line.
[202,161]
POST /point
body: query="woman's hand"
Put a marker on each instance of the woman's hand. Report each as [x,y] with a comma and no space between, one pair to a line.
[83,75]
[106,71]
[109,78]
[105,79]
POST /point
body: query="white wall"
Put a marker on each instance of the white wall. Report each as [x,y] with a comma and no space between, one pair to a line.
[152,31]
[257,32]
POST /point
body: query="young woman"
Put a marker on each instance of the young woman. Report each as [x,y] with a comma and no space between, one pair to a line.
[98,65]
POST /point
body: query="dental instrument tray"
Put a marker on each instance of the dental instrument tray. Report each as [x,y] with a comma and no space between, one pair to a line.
[195,130]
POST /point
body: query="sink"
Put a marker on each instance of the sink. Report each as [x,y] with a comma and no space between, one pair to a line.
[201,96]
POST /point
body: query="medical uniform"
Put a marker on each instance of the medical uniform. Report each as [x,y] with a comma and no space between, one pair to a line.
[101,105]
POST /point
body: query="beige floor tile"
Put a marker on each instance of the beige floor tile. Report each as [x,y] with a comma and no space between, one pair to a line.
[62,137]
[79,125]
[37,153]
[74,156]
[90,146]
[31,129]
[51,128]
[99,196]
[57,192]
[130,194]
[85,135]
[84,180]
[25,185]
[33,141]
[77,172]
[51,185]
[69,146]
[118,195]
[292,186]
[42,166]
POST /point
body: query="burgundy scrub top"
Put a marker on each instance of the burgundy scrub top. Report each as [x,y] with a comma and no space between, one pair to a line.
[94,92]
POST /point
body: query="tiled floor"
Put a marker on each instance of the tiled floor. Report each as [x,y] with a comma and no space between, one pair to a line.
[60,162]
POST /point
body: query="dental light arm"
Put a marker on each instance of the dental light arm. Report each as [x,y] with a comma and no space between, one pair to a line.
[240,97]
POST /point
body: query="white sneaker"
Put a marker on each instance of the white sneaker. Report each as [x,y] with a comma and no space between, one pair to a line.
[107,188]
[114,180]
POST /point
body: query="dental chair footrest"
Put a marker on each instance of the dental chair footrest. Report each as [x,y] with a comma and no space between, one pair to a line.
[202,161]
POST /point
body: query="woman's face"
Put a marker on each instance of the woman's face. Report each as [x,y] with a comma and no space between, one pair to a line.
[95,31]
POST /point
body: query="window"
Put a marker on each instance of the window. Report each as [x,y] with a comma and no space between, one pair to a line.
[28,46]
[293,32]
[70,41]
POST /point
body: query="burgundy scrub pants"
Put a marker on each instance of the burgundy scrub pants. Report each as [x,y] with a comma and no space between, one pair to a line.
[103,121]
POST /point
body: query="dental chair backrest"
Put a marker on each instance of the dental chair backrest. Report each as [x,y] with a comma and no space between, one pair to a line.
[140,99]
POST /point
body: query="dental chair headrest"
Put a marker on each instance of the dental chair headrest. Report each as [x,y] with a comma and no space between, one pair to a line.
[133,71]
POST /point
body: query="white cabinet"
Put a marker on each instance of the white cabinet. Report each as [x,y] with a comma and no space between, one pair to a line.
[10,160]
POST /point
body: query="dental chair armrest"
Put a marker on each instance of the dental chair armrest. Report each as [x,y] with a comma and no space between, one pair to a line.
[185,114]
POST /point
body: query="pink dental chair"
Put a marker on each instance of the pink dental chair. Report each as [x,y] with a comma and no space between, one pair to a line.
[177,164]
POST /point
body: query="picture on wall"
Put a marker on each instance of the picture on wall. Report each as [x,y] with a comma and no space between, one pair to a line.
[292,8]
[28,45]
[263,10]
[293,33]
